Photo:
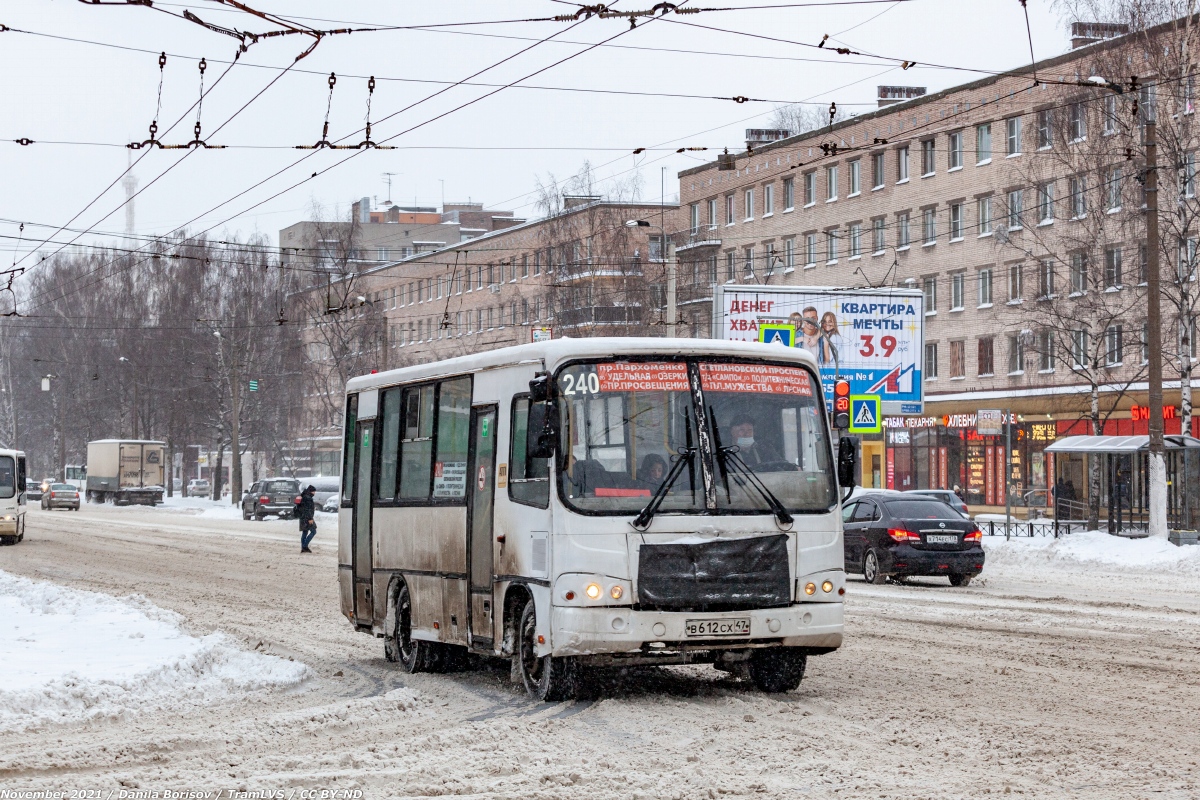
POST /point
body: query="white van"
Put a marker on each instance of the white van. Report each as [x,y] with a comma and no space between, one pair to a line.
[12,496]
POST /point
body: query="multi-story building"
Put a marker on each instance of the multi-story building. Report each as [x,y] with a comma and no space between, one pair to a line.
[1013,202]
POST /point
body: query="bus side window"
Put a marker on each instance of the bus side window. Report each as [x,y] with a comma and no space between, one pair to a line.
[528,478]
[453,439]
[416,442]
[389,446]
[348,448]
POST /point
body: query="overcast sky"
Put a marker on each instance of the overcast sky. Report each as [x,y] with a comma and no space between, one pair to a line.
[100,94]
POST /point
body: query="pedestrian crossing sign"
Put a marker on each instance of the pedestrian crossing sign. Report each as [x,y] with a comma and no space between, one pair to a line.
[775,333]
[865,416]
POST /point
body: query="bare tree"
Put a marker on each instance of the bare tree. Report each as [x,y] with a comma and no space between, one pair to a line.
[804,118]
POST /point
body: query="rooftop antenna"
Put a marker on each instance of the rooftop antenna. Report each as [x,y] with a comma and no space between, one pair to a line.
[387,178]
[130,183]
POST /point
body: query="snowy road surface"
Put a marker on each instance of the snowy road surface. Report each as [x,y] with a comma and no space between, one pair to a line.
[1053,676]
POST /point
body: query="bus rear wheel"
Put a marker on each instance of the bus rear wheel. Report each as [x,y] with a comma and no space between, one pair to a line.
[545,677]
[413,655]
[777,669]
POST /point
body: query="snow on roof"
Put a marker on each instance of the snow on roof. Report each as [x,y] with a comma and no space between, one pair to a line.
[1117,444]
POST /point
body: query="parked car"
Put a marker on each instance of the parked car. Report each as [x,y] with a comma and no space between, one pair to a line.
[33,489]
[332,503]
[198,487]
[271,496]
[946,496]
[888,536]
[61,495]
[327,486]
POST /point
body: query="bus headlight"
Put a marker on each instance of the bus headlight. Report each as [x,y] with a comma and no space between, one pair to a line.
[827,586]
[593,591]
[616,592]
[810,588]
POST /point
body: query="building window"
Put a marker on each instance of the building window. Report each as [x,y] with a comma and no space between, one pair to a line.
[831,246]
[1045,201]
[1112,267]
[789,254]
[1110,114]
[1016,355]
[694,211]
[1014,210]
[855,177]
[789,194]
[985,286]
[1045,350]
[749,263]
[929,226]
[712,215]
[985,362]
[955,155]
[877,170]
[1143,265]
[831,183]
[1045,278]
[902,164]
[1043,129]
[1185,264]
[749,204]
[985,216]
[1079,348]
[902,237]
[927,157]
[810,188]
[931,361]
[770,259]
[983,143]
[1014,283]
[878,237]
[810,249]
[1187,175]
[1079,270]
[1077,122]
[855,241]
[769,199]
[1077,189]
[956,221]
[730,266]
[1113,184]
[728,209]
[958,359]
[929,287]
[1012,135]
[958,282]
[1114,346]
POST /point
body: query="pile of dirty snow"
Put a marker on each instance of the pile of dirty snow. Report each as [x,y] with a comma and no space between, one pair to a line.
[1092,548]
[71,655]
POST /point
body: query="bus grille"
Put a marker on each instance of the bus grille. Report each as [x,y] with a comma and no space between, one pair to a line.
[723,575]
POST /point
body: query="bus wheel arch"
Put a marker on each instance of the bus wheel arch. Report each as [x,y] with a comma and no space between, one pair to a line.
[514,605]
[413,655]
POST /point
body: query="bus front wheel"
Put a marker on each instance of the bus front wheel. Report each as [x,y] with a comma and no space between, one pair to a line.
[545,677]
[412,654]
[777,669]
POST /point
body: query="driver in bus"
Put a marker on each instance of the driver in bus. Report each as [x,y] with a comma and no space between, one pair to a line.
[751,450]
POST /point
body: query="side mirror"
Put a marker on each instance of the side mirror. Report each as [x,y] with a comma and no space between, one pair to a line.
[542,430]
[539,389]
[847,467]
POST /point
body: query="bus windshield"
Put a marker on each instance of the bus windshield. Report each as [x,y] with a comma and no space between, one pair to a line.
[8,477]
[627,426]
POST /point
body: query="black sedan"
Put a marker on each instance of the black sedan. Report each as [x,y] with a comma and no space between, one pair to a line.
[900,536]
[273,496]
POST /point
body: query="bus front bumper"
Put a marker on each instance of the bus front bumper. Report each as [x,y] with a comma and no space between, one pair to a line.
[617,630]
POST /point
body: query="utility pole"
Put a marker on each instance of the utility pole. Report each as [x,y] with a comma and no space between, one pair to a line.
[1158,467]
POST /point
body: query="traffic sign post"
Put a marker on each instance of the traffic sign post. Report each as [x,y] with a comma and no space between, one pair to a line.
[865,414]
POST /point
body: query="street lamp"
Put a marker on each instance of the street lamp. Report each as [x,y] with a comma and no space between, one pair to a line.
[669,257]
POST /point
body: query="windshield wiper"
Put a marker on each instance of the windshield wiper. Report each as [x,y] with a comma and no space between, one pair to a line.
[642,521]
[729,456]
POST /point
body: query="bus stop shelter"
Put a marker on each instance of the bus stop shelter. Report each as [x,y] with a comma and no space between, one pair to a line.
[1124,480]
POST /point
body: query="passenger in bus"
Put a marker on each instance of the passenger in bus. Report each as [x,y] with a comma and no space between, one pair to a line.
[652,471]
[751,450]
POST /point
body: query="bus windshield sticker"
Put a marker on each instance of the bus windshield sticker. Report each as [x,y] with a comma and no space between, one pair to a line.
[450,479]
[629,377]
[757,378]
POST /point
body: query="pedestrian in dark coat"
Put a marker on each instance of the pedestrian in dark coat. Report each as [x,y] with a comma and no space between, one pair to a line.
[306,512]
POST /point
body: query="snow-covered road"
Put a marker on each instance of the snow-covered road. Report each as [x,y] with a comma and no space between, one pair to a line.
[1062,673]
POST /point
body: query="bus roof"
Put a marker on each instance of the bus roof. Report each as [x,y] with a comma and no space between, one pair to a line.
[6,452]
[555,351]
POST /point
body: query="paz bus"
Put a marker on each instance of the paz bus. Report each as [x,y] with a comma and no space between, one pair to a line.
[581,503]
[12,496]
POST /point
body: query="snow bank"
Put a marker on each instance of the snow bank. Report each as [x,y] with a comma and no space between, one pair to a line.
[71,655]
[1093,548]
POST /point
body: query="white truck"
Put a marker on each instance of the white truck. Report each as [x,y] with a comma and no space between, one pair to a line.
[125,471]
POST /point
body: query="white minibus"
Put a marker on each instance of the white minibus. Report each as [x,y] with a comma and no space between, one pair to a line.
[596,502]
[12,496]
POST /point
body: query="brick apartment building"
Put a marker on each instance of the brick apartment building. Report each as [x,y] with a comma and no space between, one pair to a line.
[1014,205]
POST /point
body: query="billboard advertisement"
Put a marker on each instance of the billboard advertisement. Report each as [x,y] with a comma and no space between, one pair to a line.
[874,338]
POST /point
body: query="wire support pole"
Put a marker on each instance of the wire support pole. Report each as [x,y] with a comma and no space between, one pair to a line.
[1158,498]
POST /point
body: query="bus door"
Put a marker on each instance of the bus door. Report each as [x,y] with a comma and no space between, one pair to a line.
[482,491]
[361,524]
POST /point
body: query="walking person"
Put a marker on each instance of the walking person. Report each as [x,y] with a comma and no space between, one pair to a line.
[305,512]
